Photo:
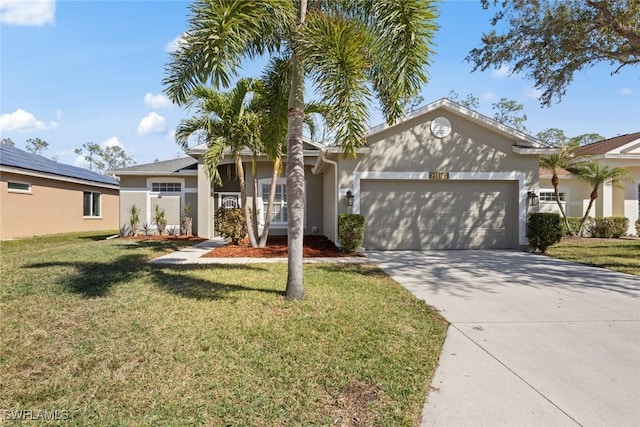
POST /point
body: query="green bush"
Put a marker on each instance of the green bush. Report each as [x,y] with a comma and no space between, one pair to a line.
[638,227]
[350,231]
[230,224]
[574,222]
[134,220]
[159,219]
[610,227]
[543,230]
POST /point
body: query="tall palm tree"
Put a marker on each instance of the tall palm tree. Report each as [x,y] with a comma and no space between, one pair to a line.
[596,176]
[349,50]
[228,122]
[555,162]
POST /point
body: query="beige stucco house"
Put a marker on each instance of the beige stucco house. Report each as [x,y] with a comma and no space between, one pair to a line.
[39,196]
[621,151]
[444,177]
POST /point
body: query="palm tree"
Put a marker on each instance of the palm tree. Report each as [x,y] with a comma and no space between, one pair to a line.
[350,50]
[228,122]
[554,163]
[596,176]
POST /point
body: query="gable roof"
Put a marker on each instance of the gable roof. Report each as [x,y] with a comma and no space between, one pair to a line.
[622,144]
[523,140]
[15,158]
[166,167]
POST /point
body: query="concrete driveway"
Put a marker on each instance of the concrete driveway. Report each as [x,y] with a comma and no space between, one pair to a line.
[533,341]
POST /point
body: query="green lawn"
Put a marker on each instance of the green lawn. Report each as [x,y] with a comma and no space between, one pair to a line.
[614,254]
[90,328]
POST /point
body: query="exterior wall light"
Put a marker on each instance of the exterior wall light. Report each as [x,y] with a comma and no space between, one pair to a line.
[349,198]
[532,198]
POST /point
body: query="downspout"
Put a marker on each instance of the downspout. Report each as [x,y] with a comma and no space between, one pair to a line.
[337,195]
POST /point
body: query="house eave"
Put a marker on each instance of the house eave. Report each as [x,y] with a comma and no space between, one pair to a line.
[534,150]
[37,174]
[154,173]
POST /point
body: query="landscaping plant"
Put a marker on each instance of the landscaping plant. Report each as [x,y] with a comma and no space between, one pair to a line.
[610,227]
[230,224]
[134,220]
[350,231]
[159,220]
[543,230]
[186,222]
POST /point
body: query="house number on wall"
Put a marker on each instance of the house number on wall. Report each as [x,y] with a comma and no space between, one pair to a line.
[438,175]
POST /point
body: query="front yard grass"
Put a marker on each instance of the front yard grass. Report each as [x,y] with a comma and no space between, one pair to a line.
[89,327]
[615,254]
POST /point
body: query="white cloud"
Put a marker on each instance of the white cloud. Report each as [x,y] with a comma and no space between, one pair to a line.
[502,72]
[156,101]
[626,91]
[489,96]
[81,162]
[112,142]
[174,44]
[153,123]
[532,93]
[30,12]
[22,120]
[171,135]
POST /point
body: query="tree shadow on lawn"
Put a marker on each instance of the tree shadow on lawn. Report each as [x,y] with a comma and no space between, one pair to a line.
[94,279]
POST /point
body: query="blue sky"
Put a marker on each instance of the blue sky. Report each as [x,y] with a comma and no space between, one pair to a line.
[73,72]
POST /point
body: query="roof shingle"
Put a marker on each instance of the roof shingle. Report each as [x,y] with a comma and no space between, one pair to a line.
[604,146]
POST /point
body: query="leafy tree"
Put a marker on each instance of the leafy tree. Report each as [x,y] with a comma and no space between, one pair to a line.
[349,50]
[554,137]
[470,101]
[549,41]
[8,141]
[115,157]
[587,138]
[596,176]
[509,112]
[92,153]
[36,145]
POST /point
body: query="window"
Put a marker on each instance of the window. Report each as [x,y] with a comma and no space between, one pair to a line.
[279,214]
[169,187]
[91,204]
[19,187]
[550,196]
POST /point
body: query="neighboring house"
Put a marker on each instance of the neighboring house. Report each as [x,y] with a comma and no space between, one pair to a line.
[445,177]
[39,196]
[621,151]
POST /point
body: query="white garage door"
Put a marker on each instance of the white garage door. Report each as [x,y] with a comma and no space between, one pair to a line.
[431,214]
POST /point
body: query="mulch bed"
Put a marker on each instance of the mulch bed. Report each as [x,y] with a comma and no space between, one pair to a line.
[314,247]
[165,238]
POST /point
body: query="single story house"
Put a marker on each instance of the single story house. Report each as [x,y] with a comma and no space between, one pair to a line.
[620,151]
[444,177]
[39,196]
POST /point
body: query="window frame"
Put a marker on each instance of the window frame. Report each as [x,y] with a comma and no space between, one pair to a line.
[169,187]
[544,193]
[92,214]
[281,182]
[19,190]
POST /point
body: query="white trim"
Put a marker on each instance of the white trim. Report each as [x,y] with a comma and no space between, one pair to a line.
[520,177]
[161,194]
[267,181]
[189,172]
[19,171]
[534,151]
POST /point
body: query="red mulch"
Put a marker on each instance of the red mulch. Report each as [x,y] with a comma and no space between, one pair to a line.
[314,247]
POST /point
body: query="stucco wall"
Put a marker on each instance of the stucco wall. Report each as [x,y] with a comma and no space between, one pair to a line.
[52,207]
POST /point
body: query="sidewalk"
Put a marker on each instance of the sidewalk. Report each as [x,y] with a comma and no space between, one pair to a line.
[193,255]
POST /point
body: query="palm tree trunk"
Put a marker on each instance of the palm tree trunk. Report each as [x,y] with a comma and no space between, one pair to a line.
[592,198]
[243,197]
[554,182]
[272,196]
[295,176]
[254,172]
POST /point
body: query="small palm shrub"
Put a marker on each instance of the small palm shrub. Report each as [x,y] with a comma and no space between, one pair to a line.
[186,222]
[230,224]
[543,230]
[146,229]
[159,219]
[350,231]
[610,227]
[134,220]
[638,227]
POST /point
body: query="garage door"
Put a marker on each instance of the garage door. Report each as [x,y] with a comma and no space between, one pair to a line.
[431,214]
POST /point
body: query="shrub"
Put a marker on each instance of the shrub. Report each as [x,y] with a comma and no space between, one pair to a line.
[173,231]
[574,222]
[186,222]
[159,219]
[638,227]
[230,224]
[146,229]
[543,230]
[350,231]
[134,220]
[611,226]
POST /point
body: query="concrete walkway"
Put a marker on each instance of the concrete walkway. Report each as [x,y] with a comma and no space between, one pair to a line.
[533,341]
[193,255]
